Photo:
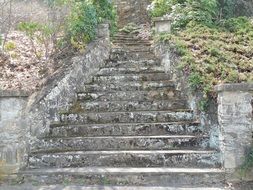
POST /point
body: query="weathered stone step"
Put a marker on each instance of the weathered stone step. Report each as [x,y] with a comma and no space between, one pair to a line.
[164,94]
[114,106]
[119,54]
[131,42]
[175,177]
[129,86]
[48,145]
[132,63]
[162,158]
[127,117]
[117,129]
[130,70]
[96,187]
[132,77]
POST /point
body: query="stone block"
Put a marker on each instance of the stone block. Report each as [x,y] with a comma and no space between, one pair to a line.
[235,119]
[162,25]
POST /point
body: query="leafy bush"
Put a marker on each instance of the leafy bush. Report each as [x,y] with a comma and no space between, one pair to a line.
[84,18]
[82,24]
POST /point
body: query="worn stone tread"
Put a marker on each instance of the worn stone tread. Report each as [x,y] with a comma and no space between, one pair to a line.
[171,128]
[76,187]
[173,158]
[168,142]
[112,106]
[139,152]
[129,86]
[133,63]
[131,77]
[140,95]
[130,117]
[115,171]
[130,70]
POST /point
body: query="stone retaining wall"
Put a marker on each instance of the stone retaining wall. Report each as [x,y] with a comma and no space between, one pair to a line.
[12,129]
[24,118]
[61,90]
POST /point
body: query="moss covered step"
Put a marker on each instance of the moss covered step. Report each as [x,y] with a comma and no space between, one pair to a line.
[162,158]
[127,117]
[132,63]
[103,143]
[164,94]
[129,86]
[119,129]
[132,77]
[112,106]
[175,177]
[120,54]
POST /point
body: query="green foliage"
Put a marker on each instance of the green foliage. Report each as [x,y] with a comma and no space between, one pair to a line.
[238,24]
[208,12]
[82,24]
[195,81]
[203,104]
[84,18]
[161,7]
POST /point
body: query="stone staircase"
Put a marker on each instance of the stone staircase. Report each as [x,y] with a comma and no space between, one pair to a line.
[130,127]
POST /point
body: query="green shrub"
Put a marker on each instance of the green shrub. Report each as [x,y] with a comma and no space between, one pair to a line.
[82,26]
[83,20]
[239,24]
[195,81]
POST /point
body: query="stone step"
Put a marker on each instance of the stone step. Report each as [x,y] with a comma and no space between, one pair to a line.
[96,187]
[132,43]
[129,86]
[127,117]
[166,142]
[130,39]
[164,158]
[175,177]
[132,63]
[121,54]
[164,94]
[117,129]
[132,77]
[130,70]
[119,106]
